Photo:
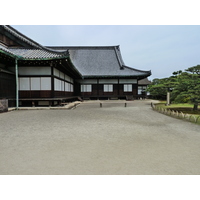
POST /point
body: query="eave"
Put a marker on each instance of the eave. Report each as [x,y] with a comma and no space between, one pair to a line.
[117,76]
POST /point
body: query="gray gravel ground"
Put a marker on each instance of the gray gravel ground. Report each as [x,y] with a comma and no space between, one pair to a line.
[91,140]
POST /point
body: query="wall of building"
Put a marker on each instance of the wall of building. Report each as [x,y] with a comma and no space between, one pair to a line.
[7,85]
[63,84]
[43,82]
[7,40]
[107,87]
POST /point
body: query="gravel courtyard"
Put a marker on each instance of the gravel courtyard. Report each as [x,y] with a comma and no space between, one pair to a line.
[88,140]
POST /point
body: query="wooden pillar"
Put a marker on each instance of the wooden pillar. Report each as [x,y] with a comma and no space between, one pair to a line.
[17,84]
[118,88]
[52,81]
[98,88]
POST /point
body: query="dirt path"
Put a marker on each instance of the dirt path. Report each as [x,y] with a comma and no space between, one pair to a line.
[113,139]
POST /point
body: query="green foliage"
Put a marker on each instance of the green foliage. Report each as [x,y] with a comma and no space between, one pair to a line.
[159,87]
[194,70]
[185,85]
[188,88]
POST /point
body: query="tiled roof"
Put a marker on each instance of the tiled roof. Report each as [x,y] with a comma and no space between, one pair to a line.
[36,51]
[101,61]
[29,54]
[4,49]
[94,61]
[144,82]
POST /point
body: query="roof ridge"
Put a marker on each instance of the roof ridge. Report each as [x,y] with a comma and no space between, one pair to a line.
[23,37]
[92,47]
[119,56]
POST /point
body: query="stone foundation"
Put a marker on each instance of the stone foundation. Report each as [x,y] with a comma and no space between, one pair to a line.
[3,105]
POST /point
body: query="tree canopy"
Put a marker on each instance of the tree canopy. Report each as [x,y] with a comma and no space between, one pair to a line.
[185,86]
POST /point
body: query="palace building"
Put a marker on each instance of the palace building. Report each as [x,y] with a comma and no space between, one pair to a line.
[32,74]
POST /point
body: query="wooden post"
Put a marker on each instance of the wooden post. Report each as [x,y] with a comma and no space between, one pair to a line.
[100,105]
[17,84]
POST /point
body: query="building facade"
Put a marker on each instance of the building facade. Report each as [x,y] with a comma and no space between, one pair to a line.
[32,73]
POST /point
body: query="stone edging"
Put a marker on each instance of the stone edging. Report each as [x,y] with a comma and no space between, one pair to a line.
[176,114]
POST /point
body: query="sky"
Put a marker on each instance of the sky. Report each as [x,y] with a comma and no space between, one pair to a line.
[162,49]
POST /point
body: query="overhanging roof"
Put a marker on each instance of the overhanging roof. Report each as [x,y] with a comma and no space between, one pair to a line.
[38,54]
[89,61]
[144,82]
[103,61]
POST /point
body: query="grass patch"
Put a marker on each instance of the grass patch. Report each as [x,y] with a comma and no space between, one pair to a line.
[183,107]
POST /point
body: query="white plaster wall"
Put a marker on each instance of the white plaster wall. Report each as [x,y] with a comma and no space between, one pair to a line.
[56,72]
[57,84]
[24,84]
[62,86]
[128,88]
[86,88]
[45,83]
[108,88]
[35,83]
[34,70]
[67,87]
[88,81]
[67,78]
[62,75]
[128,81]
[103,81]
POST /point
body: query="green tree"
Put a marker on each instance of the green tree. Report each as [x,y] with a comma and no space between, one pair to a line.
[159,87]
[156,89]
[188,87]
[185,86]
[194,70]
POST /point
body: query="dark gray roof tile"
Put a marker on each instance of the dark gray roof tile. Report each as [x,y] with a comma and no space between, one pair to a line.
[37,53]
[144,81]
[101,61]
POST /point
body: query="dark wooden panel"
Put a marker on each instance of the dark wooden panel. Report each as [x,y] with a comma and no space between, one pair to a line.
[95,89]
[24,94]
[115,89]
[135,89]
[7,41]
[35,94]
[7,85]
[45,93]
[100,86]
[121,89]
[86,94]
[63,94]
[77,89]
